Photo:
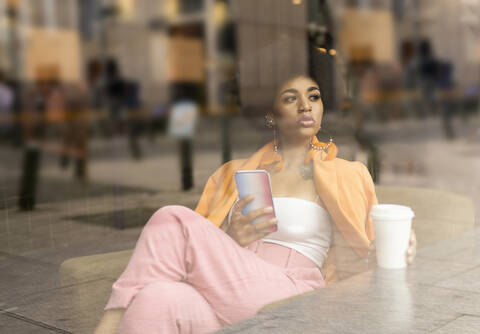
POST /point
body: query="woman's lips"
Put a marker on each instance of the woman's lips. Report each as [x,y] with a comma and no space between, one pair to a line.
[306,122]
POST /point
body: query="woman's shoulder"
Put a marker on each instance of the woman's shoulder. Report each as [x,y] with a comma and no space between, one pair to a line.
[351,168]
[228,168]
[349,165]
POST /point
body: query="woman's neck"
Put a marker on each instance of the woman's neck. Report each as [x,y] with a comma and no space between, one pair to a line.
[293,152]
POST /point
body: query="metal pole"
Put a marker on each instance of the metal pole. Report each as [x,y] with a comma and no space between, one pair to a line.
[14,45]
[15,68]
[226,143]
[211,57]
[186,157]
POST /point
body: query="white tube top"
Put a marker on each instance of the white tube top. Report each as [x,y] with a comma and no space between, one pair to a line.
[304,226]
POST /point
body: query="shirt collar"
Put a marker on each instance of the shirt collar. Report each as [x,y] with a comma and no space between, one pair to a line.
[270,157]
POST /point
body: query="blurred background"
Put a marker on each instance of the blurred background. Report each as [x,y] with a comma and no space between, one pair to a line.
[110,109]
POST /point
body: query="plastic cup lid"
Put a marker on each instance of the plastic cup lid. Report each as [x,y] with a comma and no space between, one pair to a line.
[391,212]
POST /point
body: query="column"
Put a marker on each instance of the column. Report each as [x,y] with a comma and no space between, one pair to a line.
[211,57]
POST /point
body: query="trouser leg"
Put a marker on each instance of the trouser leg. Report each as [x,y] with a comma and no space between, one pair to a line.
[168,307]
[177,244]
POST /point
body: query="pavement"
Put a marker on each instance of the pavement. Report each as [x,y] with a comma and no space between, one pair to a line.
[106,214]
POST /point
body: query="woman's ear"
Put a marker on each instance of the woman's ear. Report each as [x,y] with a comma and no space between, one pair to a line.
[269,120]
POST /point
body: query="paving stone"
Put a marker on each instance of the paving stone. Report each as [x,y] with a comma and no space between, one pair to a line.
[465,324]
[467,281]
[11,324]
[66,307]
[21,276]
[424,271]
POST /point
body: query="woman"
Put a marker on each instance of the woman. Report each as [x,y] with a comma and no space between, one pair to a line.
[186,275]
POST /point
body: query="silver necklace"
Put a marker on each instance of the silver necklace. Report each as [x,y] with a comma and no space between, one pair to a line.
[306,171]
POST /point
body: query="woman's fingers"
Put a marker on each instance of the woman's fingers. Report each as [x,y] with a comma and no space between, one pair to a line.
[411,253]
[260,227]
[410,256]
[241,229]
[412,248]
[413,239]
[244,201]
[257,213]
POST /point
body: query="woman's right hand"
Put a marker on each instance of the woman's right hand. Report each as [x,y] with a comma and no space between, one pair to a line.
[240,228]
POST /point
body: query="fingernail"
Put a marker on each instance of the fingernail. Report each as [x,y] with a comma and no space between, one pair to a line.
[269,209]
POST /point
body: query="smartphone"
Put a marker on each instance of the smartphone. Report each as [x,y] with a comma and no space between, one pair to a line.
[256,183]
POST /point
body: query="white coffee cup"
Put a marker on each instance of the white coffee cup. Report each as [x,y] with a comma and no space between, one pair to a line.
[392,224]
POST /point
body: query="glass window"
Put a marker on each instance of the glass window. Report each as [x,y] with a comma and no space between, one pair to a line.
[190,6]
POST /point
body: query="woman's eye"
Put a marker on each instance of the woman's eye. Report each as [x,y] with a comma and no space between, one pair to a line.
[315,97]
[289,99]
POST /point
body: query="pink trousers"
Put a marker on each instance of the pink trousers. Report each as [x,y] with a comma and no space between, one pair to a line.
[188,276]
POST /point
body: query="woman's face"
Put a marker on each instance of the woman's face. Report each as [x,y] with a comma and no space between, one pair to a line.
[298,108]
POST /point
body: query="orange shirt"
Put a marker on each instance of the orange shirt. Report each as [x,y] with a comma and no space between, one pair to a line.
[346,188]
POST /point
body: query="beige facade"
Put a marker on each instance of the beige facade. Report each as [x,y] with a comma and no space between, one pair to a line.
[47,40]
[53,55]
[368,35]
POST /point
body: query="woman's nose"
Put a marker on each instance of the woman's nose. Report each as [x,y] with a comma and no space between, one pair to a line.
[305,106]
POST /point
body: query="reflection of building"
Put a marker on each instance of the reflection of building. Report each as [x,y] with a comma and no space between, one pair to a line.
[211,43]
[257,43]
[46,40]
[136,35]
[453,27]
[208,43]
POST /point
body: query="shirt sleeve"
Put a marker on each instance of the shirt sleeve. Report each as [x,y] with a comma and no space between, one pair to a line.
[207,196]
[212,187]
[371,199]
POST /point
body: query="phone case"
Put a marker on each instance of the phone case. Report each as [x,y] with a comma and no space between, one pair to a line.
[256,183]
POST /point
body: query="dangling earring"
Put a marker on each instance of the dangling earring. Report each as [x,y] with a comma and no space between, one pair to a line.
[269,123]
[275,140]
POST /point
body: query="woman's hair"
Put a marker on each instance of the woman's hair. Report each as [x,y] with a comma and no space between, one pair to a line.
[259,111]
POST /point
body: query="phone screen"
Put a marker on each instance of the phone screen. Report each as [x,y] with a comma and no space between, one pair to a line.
[256,183]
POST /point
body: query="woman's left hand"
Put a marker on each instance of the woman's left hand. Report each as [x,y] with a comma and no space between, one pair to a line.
[412,247]
[411,250]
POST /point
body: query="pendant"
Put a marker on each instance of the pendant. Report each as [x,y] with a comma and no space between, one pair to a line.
[306,172]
